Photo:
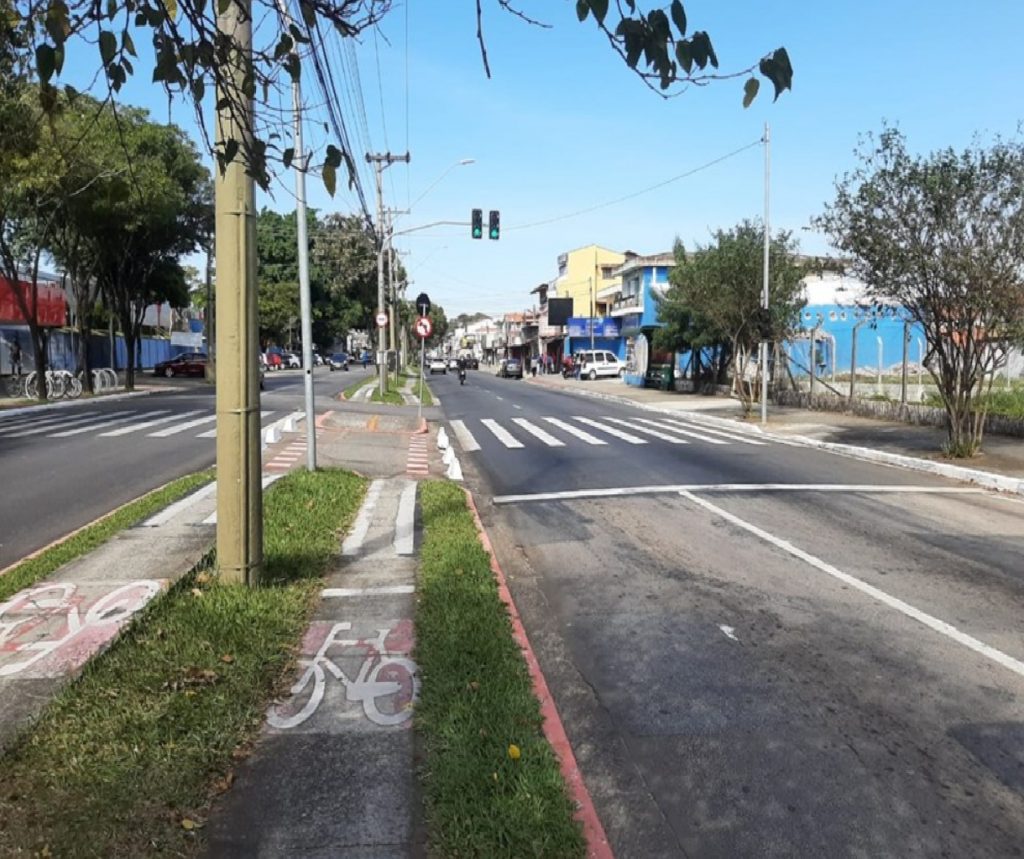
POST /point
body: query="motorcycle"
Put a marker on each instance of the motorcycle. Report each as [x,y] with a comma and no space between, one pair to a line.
[462,375]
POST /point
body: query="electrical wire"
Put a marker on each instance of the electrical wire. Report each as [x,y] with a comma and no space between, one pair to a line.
[635,194]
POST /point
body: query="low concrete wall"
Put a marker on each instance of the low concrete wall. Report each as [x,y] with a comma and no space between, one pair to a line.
[890,411]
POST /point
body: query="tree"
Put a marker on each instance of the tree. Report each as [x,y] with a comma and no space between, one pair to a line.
[940,240]
[190,53]
[715,297]
[345,258]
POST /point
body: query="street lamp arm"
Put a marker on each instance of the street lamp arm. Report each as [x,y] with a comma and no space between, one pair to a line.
[431,224]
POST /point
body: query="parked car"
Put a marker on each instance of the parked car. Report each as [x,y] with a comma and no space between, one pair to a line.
[318,360]
[472,362]
[274,360]
[598,362]
[291,360]
[189,364]
[338,361]
[437,364]
[453,363]
[510,368]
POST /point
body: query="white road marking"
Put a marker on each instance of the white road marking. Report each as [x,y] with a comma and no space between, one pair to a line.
[582,435]
[387,590]
[933,623]
[517,406]
[172,510]
[711,435]
[730,632]
[26,428]
[213,433]
[501,434]
[164,433]
[572,494]
[671,439]
[147,424]
[105,423]
[465,437]
[354,541]
[681,431]
[499,398]
[737,434]
[268,479]
[538,433]
[625,436]
[404,521]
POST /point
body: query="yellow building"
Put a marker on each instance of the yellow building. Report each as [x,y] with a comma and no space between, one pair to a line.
[585,276]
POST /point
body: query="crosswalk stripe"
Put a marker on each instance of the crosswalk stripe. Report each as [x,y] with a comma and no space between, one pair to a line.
[732,436]
[625,436]
[164,433]
[583,435]
[105,423]
[501,434]
[465,437]
[147,424]
[213,433]
[671,439]
[537,432]
[26,428]
[681,431]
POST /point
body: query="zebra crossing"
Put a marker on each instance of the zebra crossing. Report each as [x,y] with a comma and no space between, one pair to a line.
[521,433]
[152,423]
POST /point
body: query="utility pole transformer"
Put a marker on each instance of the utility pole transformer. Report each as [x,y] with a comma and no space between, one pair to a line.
[380,162]
[239,486]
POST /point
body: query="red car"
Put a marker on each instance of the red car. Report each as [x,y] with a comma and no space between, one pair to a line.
[274,361]
[192,364]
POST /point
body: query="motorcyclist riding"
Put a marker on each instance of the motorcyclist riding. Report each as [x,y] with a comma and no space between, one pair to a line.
[462,370]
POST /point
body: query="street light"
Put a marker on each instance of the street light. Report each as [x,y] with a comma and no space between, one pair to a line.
[437,181]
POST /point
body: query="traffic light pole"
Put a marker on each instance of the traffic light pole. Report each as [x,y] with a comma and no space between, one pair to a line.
[765,298]
[380,162]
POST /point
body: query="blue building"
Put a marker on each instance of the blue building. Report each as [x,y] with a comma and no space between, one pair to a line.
[634,308]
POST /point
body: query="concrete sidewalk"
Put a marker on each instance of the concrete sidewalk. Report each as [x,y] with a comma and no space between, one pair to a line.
[1001,455]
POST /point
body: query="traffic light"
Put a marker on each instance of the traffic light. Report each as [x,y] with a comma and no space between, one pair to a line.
[478,223]
[495,224]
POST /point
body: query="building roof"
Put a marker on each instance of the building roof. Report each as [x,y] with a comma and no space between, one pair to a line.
[666,258]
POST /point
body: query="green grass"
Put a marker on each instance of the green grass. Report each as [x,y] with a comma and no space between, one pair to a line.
[476,701]
[391,391]
[1008,402]
[414,374]
[351,390]
[29,572]
[129,755]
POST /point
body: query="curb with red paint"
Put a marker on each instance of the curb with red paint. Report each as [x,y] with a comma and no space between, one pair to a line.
[554,731]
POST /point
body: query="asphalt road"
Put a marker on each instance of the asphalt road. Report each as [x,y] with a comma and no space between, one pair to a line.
[61,468]
[798,655]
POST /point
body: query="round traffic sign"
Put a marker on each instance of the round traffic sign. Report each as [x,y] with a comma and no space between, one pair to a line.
[382,319]
[423,327]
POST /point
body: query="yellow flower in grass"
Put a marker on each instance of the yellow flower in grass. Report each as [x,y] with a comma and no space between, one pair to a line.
[513,752]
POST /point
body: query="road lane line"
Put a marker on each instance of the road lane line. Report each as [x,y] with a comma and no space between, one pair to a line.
[164,433]
[538,433]
[625,436]
[501,434]
[405,520]
[680,431]
[691,429]
[213,433]
[147,424]
[582,435]
[933,623]
[671,439]
[465,437]
[105,423]
[868,489]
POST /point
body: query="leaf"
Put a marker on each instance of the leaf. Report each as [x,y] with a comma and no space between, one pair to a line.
[685,55]
[288,155]
[679,17]
[582,9]
[330,178]
[71,93]
[308,13]
[600,9]
[223,6]
[230,150]
[46,61]
[128,44]
[188,824]
[333,156]
[108,46]
[700,47]
[198,89]
[172,9]
[750,89]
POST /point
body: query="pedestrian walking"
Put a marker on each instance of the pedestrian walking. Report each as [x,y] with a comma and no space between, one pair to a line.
[15,352]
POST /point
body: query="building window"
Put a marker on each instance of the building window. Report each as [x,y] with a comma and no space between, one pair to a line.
[606,272]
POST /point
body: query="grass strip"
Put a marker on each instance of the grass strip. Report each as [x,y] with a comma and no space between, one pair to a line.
[392,395]
[124,762]
[492,784]
[91,536]
[427,399]
[352,389]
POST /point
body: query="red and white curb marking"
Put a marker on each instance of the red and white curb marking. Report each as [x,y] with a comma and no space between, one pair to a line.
[417,464]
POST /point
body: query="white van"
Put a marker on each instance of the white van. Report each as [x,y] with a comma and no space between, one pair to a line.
[598,362]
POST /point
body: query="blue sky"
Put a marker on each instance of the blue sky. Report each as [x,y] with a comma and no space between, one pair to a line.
[563,125]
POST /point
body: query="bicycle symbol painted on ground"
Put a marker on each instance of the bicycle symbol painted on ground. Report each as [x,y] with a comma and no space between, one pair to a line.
[386,685]
[53,620]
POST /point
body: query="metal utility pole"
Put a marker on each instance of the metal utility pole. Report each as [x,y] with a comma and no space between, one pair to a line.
[239,488]
[380,162]
[765,299]
[305,310]
[208,321]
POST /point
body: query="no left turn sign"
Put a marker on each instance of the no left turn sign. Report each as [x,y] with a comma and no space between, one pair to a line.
[423,327]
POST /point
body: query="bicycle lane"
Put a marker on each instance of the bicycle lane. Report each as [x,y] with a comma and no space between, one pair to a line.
[334,771]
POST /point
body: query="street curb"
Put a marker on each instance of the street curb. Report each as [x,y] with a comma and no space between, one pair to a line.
[67,404]
[986,479]
[554,731]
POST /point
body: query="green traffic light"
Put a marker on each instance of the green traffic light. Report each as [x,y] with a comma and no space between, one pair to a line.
[494,234]
[477,232]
